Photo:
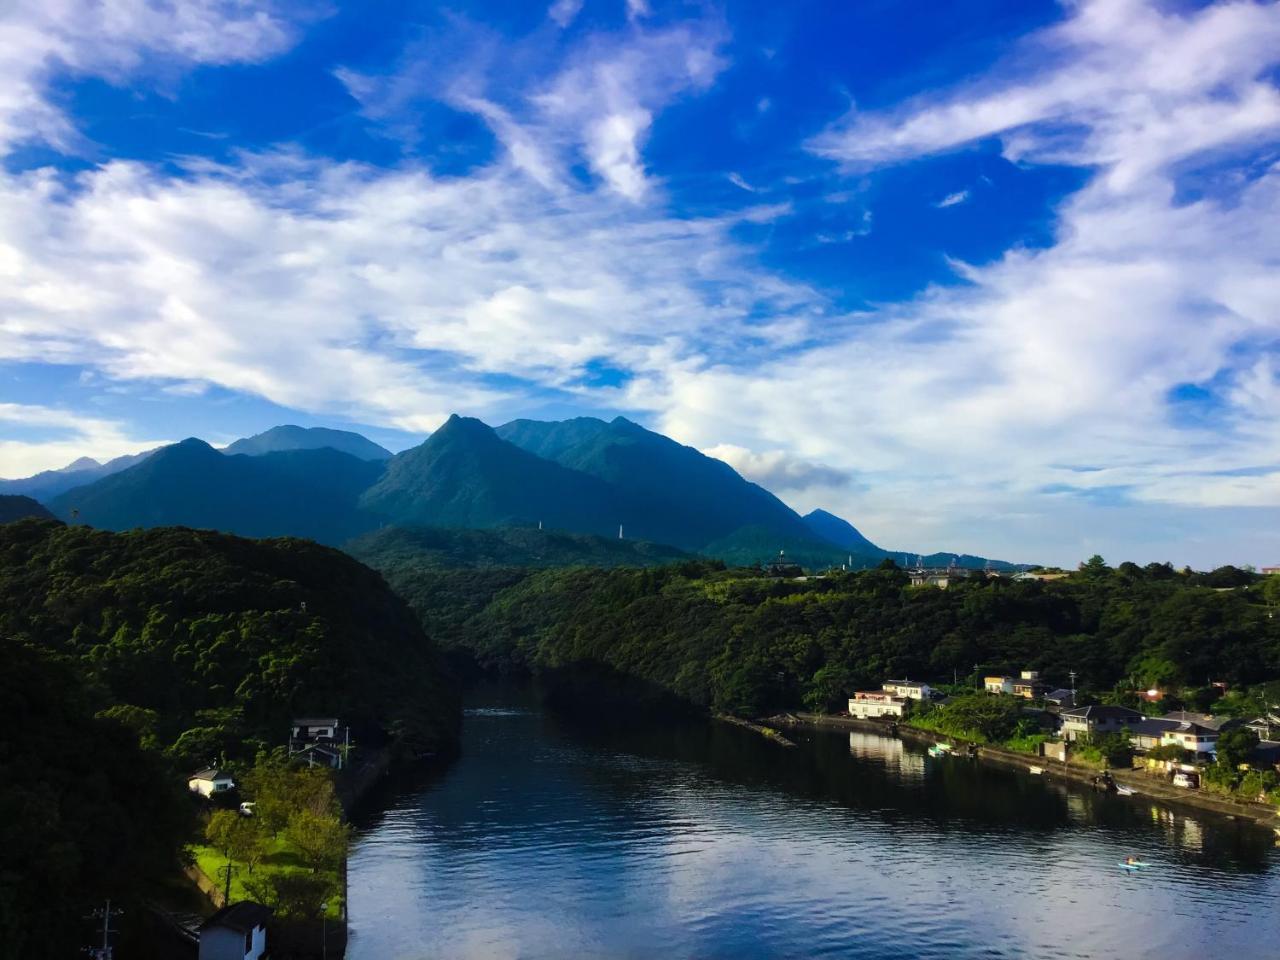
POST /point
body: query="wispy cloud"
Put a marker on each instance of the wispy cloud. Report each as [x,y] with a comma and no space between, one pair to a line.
[953,199]
[68,435]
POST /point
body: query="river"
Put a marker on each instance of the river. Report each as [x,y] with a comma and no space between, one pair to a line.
[564,837]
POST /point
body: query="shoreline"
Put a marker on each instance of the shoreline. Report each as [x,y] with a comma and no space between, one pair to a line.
[1143,786]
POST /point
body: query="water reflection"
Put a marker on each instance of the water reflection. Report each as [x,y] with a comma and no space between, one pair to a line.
[554,836]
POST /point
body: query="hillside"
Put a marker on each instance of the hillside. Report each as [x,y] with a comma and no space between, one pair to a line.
[302,493]
[733,641]
[434,547]
[465,475]
[216,640]
[842,533]
[665,491]
[290,437]
[15,508]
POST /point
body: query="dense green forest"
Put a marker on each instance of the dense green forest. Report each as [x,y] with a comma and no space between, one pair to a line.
[210,643]
[734,640]
[85,811]
[130,659]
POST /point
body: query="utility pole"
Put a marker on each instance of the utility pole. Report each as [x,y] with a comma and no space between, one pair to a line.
[1072,675]
[105,914]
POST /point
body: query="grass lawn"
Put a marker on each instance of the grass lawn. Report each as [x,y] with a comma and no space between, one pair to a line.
[280,858]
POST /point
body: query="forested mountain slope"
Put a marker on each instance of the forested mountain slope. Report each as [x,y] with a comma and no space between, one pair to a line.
[736,641]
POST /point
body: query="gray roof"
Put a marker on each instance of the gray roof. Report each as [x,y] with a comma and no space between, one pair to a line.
[1102,711]
[1206,720]
[315,721]
[1153,726]
[1060,694]
[241,917]
[210,773]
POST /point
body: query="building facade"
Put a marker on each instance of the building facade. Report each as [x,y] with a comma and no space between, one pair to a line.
[875,704]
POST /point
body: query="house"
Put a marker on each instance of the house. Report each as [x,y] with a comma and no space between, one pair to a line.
[1148,733]
[1270,571]
[1061,698]
[1201,741]
[236,932]
[998,684]
[1029,686]
[940,578]
[209,781]
[1267,726]
[908,688]
[320,740]
[873,704]
[1096,719]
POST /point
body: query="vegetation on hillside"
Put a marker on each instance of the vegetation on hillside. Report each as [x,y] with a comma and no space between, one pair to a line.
[741,643]
[85,811]
[208,644]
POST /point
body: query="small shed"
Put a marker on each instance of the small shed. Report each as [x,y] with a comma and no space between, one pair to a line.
[236,932]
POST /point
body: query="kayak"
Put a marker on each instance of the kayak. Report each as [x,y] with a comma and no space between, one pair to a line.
[1132,866]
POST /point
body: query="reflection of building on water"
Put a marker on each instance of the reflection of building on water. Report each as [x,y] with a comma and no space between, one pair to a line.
[889,749]
[1077,809]
[1180,831]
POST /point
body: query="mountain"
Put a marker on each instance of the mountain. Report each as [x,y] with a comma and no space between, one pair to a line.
[47,484]
[665,491]
[840,532]
[433,547]
[290,437]
[551,438]
[15,508]
[465,475]
[300,493]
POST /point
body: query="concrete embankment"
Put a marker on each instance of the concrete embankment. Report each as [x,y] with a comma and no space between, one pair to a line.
[1145,786]
[769,733]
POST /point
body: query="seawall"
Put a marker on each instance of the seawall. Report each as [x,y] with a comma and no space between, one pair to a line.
[1143,785]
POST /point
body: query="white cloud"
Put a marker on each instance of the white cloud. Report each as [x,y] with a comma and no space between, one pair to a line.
[114,40]
[952,199]
[78,435]
[777,470]
[564,12]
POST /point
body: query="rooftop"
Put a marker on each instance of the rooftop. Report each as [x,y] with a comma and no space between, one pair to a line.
[210,773]
[241,917]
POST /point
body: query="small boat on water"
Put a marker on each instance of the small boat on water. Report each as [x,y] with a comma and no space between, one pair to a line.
[1035,771]
[940,750]
[1132,864]
[1124,791]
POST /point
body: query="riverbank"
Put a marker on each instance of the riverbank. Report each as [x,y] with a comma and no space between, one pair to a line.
[1143,785]
[769,733]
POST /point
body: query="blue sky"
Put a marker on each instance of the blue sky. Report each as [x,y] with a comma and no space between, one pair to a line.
[1002,278]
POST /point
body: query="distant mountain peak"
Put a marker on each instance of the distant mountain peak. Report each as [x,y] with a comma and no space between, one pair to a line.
[839,531]
[290,436]
[80,463]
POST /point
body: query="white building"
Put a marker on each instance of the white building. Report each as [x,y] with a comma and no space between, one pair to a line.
[908,688]
[237,932]
[873,704]
[210,781]
[998,684]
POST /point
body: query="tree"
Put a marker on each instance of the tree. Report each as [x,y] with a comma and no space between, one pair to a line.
[221,829]
[829,688]
[1095,568]
[321,840]
[248,842]
[1236,747]
[292,895]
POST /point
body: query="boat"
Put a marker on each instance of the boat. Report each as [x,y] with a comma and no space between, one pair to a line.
[1035,771]
[940,750]
[1136,865]
[1124,791]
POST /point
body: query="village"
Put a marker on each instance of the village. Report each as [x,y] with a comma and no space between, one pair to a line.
[1180,747]
[289,830]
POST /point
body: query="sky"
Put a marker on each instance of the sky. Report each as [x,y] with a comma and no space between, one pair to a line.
[1003,278]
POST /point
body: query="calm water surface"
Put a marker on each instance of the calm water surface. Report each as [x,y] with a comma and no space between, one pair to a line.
[552,837]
